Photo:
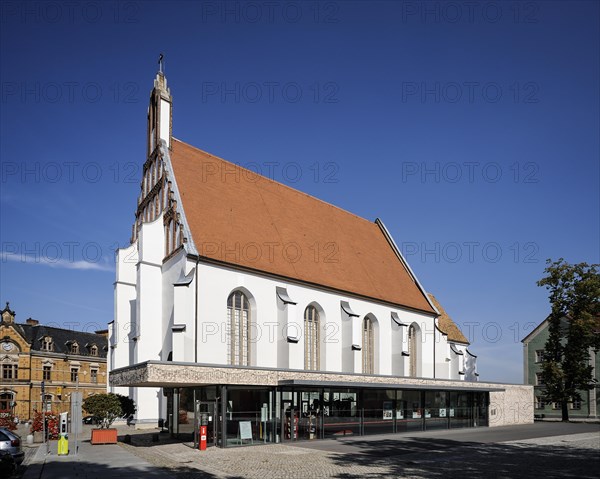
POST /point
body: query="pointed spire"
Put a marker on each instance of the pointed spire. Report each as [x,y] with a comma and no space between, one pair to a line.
[8,316]
[159,111]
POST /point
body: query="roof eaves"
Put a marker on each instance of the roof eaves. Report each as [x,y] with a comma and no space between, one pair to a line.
[400,256]
[213,261]
[536,330]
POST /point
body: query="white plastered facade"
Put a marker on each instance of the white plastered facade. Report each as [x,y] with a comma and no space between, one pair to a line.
[174,308]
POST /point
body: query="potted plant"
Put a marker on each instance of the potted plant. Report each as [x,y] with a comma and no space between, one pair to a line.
[7,420]
[107,408]
[51,427]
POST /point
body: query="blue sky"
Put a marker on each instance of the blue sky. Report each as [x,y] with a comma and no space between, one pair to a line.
[471,131]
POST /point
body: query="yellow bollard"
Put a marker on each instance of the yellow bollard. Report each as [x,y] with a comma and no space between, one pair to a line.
[63,445]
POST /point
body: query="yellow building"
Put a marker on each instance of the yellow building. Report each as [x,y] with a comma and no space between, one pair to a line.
[61,360]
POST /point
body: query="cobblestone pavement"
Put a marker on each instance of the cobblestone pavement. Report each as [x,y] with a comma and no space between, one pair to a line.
[30,452]
[562,456]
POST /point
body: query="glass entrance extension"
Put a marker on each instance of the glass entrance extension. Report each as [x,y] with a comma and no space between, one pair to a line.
[247,415]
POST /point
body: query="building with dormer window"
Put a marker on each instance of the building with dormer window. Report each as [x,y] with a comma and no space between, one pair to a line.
[278,315]
[32,353]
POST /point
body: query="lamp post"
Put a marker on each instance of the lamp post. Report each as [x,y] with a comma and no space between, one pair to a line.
[78,425]
[44,416]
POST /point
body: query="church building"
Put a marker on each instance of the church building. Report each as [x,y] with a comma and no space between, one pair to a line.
[274,316]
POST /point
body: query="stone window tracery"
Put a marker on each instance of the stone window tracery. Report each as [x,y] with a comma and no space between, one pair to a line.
[238,333]
[312,339]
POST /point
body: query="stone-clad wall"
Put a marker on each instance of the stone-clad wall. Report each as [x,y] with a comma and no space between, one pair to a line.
[509,403]
[512,406]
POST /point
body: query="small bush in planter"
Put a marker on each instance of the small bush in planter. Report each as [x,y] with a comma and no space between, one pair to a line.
[107,407]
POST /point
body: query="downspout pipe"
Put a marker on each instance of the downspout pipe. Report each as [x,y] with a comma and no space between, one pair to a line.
[196,315]
[434,341]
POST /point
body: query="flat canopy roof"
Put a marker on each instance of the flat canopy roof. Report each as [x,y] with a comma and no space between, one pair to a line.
[440,385]
[178,374]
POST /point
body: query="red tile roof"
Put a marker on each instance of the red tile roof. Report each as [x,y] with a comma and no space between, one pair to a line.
[240,218]
[446,325]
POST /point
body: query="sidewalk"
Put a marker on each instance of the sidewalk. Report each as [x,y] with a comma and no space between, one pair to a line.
[103,461]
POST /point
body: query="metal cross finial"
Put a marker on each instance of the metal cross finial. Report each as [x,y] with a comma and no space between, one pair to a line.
[160,63]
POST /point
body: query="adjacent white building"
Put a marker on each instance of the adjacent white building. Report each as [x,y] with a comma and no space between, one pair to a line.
[248,299]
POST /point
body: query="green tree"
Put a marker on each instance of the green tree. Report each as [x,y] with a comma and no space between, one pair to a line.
[573,329]
[107,407]
[127,405]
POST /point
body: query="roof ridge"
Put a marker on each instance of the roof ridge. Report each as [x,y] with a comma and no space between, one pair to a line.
[59,329]
[276,182]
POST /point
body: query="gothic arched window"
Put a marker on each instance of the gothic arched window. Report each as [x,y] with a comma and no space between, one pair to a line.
[413,350]
[368,346]
[238,318]
[311,339]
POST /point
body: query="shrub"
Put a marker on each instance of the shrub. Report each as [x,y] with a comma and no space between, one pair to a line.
[51,420]
[127,405]
[7,420]
[107,407]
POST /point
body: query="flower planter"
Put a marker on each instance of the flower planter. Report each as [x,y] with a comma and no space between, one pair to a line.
[104,436]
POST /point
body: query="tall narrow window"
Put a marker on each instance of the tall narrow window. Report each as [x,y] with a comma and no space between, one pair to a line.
[412,350]
[539,356]
[94,375]
[311,339]
[367,346]
[10,371]
[47,402]
[238,318]
[74,374]
[47,373]
[539,381]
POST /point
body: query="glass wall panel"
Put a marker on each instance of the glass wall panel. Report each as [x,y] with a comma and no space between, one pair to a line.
[409,411]
[182,417]
[481,400]
[310,417]
[250,418]
[264,415]
[379,406]
[460,410]
[288,428]
[341,416]
[436,410]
